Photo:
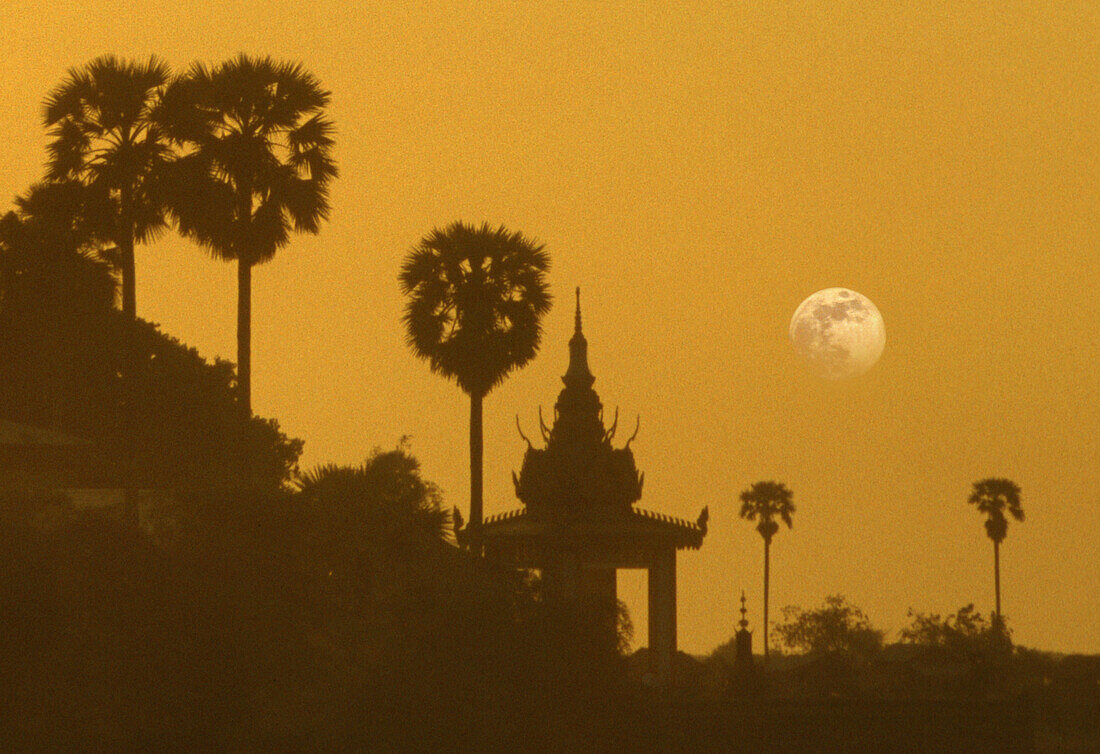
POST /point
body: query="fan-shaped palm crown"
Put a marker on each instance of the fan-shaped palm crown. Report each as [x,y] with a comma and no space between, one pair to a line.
[258,165]
[260,155]
[993,497]
[476,297]
[104,130]
[765,501]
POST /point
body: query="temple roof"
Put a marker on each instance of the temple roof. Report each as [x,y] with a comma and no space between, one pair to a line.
[578,470]
[639,524]
[579,485]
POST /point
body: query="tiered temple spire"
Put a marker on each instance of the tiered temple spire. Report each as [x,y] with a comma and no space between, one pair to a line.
[578,523]
[579,470]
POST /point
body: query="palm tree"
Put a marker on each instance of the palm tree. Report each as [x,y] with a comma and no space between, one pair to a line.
[476,297]
[386,498]
[992,497]
[103,125]
[372,532]
[258,164]
[765,501]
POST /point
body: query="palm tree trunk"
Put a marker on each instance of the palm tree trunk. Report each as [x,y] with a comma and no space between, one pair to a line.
[125,243]
[129,310]
[767,547]
[997,576]
[476,453]
[129,284]
[244,337]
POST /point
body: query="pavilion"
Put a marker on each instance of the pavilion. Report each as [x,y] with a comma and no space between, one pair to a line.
[579,523]
[51,466]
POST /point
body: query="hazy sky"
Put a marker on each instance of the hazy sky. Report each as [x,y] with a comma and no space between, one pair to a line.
[698,172]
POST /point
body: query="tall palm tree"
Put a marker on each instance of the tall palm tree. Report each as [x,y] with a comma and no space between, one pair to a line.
[765,501]
[102,122]
[476,298]
[993,497]
[257,165]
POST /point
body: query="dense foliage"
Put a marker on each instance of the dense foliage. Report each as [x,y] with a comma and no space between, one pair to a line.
[836,627]
[70,361]
[335,614]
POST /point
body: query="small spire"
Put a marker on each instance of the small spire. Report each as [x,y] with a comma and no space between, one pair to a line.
[744,621]
[577,327]
[578,375]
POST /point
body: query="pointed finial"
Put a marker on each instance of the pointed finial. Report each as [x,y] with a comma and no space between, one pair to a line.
[577,327]
[744,622]
[578,374]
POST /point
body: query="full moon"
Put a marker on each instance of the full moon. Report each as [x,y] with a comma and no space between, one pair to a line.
[840,332]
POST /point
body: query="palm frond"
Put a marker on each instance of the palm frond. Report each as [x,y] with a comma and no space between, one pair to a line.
[765,501]
[994,496]
[256,124]
[476,295]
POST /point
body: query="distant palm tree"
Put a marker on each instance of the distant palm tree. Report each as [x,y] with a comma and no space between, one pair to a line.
[992,497]
[476,297]
[105,135]
[765,501]
[258,164]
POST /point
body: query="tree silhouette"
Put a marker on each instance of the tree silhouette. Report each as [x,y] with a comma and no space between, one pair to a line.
[257,165]
[104,131]
[382,504]
[993,497]
[52,261]
[476,296]
[837,627]
[53,285]
[765,501]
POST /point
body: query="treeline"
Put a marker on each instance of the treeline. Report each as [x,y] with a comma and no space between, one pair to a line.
[832,656]
[336,614]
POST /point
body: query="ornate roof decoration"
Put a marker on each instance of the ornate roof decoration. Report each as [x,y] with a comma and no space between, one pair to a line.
[580,490]
[521,524]
[578,471]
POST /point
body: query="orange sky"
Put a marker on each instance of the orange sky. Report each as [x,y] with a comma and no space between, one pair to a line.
[698,172]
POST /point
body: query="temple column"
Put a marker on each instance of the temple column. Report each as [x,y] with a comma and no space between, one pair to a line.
[600,583]
[563,576]
[662,614]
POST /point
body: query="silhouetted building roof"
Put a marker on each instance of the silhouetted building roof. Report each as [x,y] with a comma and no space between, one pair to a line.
[36,457]
[579,487]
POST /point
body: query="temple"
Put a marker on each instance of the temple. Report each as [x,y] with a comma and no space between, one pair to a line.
[579,522]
